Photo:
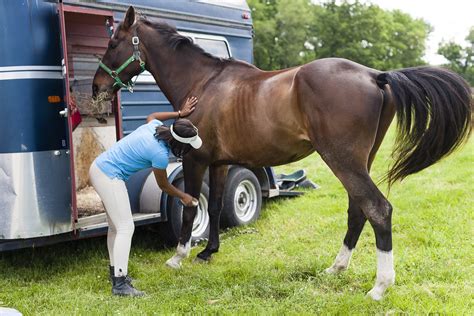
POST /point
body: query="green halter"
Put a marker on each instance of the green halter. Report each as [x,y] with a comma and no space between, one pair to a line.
[115,73]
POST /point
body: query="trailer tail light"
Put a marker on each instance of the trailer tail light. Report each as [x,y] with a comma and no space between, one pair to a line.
[54,99]
[245,16]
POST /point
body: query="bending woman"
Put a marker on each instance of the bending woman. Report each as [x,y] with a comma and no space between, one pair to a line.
[147,146]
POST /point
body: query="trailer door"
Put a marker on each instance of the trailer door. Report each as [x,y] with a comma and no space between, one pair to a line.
[76,23]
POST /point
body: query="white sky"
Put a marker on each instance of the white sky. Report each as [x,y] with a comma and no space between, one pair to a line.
[450,19]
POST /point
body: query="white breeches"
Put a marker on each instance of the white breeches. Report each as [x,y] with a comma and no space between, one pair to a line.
[114,195]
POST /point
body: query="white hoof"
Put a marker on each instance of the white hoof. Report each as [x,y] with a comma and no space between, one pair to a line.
[341,262]
[173,263]
[385,275]
[375,294]
[182,251]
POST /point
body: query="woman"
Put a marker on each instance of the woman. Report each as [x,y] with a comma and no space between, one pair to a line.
[147,146]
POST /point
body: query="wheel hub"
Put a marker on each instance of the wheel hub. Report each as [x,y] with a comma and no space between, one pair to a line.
[201,221]
[245,200]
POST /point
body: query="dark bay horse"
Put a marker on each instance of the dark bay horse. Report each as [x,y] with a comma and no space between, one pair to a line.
[256,118]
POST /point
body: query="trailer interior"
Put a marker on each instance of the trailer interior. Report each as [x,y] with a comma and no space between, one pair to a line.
[86,39]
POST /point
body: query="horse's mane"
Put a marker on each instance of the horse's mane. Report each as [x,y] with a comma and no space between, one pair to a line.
[176,40]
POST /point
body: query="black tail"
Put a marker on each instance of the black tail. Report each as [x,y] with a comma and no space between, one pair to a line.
[434,108]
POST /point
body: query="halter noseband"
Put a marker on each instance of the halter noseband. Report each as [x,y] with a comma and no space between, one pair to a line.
[115,73]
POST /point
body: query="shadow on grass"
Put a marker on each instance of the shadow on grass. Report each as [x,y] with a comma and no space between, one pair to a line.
[44,263]
[47,262]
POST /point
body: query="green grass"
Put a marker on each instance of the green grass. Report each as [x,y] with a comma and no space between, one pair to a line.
[275,265]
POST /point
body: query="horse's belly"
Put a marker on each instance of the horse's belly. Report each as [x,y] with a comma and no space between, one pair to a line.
[259,153]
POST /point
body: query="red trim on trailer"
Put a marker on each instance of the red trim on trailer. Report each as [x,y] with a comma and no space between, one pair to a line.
[72,8]
[62,23]
[118,116]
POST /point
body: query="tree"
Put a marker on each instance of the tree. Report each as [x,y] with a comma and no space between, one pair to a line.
[289,33]
[263,16]
[281,29]
[460,59]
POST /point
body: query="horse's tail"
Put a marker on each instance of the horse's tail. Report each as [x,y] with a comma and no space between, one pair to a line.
[434,108]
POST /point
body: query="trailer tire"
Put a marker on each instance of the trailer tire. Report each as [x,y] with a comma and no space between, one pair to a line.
[170,230]
[242,198]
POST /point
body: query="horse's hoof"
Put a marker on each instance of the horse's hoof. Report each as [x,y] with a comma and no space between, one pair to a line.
[375,294]
[200,260]
[173,264]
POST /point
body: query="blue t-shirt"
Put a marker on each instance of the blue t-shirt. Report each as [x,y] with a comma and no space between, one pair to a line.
[137,151]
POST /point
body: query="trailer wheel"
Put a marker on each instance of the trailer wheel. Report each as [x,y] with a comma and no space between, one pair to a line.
[242,198]
[170,230]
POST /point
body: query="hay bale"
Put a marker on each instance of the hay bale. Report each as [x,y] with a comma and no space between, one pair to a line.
[88,149]
[89,202]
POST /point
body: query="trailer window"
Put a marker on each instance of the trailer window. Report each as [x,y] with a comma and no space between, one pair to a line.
[215,47]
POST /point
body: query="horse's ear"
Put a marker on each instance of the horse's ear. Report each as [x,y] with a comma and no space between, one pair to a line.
[129,18]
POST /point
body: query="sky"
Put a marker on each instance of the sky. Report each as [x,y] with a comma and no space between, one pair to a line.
[451,20]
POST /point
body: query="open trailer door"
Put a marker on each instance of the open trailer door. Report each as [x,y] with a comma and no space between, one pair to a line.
[84,37]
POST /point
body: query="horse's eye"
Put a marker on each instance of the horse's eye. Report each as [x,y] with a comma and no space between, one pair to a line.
[112,45]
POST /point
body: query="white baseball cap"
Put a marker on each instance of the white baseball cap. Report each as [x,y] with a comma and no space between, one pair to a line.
[194,141]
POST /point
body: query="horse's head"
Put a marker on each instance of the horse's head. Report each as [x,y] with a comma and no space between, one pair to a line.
[122,60]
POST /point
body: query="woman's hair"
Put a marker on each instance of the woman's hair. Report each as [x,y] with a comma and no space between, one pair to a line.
[183,128]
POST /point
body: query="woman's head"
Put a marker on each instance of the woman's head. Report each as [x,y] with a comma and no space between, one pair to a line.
[181,136]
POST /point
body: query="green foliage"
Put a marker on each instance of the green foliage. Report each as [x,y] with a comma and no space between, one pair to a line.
[289,33]
[275,266]
[460,59]
[281,28]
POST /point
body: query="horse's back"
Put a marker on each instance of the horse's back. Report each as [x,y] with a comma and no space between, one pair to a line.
[259,112]
[341,100]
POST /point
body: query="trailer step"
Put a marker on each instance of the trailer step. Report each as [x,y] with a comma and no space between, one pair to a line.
[100,221]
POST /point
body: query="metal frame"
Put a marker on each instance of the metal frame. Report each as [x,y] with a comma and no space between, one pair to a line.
[169,14]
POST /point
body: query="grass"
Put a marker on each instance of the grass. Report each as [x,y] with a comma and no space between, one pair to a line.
[275,265]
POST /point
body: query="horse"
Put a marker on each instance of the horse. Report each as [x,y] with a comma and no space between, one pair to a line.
[336,107]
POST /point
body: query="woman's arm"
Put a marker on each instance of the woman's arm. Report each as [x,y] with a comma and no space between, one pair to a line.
[162,180]
[186,109]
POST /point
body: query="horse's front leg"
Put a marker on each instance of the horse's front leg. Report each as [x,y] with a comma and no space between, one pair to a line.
[217,177]
[193,176]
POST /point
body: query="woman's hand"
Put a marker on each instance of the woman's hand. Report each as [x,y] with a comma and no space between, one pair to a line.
[188,106]
[187,109]
[162,180]
[189,201]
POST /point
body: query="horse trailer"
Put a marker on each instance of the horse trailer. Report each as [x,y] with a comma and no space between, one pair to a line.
[48,57]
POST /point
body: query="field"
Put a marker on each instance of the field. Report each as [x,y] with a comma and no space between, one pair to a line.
[275,266]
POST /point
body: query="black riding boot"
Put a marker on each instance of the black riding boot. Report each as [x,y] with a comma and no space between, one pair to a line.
[112,273]
[123,287]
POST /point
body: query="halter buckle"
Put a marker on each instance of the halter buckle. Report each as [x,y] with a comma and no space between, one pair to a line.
[135,40]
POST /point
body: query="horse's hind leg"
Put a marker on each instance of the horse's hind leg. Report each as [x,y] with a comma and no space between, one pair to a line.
[217,178]
[355,223]
[350,159]
[355,217]
[376,209]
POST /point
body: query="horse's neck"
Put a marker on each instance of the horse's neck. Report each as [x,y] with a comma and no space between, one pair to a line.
[179,74]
